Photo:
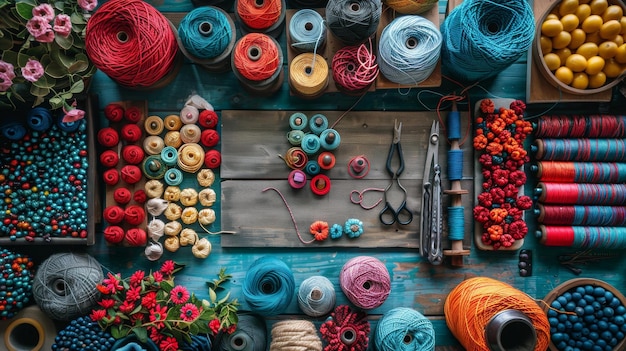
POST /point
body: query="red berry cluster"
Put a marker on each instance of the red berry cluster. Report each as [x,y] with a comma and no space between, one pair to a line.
[500,135]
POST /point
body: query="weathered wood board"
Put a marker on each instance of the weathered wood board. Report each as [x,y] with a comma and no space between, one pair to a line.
[252,142]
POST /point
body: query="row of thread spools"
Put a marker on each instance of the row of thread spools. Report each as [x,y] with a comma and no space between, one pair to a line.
[581,170]
[407,52]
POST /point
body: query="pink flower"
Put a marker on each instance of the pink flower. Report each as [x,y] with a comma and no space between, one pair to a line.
[7,69]
[73,115]
[137,277]
[179,294]
[88,5]
[169,344]
[133,294]
[5,82]
[38,26]
[62,25]
[112,283]
[214,325]
[168,267]
[158,276]
[33,70]
[189,312]
[44,10]
[47,37]
[158,315]
[97,315]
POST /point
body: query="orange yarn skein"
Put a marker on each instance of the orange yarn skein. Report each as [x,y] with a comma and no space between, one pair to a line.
[256,57]
[259,14]
[471,306]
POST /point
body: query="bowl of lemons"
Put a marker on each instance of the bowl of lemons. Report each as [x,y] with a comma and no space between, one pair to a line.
[580,45]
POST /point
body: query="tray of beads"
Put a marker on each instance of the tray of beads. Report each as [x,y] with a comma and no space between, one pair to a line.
[47,179]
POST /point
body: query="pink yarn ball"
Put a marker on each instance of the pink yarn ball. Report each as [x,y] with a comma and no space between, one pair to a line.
[365,281]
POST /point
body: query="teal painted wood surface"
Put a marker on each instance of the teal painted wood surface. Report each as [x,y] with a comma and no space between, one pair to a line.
[415,283]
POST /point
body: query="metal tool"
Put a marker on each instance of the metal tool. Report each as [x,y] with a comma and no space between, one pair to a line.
[401,214]
[432,221]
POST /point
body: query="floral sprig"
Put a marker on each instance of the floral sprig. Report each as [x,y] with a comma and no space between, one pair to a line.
[151,306]
[499,138]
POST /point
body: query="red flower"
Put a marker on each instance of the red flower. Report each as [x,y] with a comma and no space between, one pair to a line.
[155,334]
[149,300]
[136,278]
[158,277]
[215,326]
[97,315]
[127,307]
[168,267]
[133,294]
[112,283]
[179,294]
[103,289]
[158,315]
[169,344]
[106,303]
[189,312]
[231,329]
[137,317]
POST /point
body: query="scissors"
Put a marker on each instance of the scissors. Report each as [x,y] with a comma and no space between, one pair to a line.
[389,215]
[431,222]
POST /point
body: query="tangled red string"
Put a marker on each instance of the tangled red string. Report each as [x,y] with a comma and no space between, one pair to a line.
[259,14]
[256,57]
[131,42]
[346,330]
[354,68]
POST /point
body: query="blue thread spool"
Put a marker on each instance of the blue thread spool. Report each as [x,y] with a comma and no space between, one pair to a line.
[153,167]
[251,335]
[318,123]
[206,36]
[39,119]
[310,144]
[307,31]
[269,286]
[169,155]
[330,139]
[14,130]
[298,121]
[173,177]
[295,137]
[312,168]
[316,296]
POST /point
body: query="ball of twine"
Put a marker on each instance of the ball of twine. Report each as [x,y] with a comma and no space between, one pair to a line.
[316,296]
[269,286]
[353,21]
[65,285]
[404,328]
[251,335]
[365,281]
[295,335]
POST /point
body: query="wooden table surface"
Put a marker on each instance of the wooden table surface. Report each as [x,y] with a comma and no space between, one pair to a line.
[415,282]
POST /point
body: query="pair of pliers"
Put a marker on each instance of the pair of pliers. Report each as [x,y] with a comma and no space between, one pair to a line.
[389,215]
[432,221]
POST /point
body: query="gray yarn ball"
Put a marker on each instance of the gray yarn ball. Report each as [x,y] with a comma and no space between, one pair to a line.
[65,285]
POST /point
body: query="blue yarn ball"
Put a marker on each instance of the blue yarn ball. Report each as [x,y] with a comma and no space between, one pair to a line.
[269,286]
[404,329]
[251,335]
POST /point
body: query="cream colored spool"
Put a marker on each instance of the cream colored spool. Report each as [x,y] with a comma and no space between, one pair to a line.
[29,330]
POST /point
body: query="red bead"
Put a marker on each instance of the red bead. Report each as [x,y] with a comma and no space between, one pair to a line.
[71,178]
[82,153]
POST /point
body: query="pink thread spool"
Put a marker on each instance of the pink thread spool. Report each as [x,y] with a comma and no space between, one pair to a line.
[365,281]
[297,179]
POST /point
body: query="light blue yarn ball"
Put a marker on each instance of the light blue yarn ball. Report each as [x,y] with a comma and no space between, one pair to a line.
[404,329]
[307,30]
[316,296]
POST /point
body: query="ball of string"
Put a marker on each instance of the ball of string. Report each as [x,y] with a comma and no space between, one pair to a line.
[269,286]
[256,57]
[205,32]
[307,31]
[353,21]
[354,68]
[404,328]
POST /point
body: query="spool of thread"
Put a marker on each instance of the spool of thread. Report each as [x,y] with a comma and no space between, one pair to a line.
[65,285]
[409,50]
[594,126]
[295,137]
[326,160]
[312,168]
[353,21]
[13,130]
[585,150]
[365,281]
[133,43]
[206,36]
[320,184]
[30,330]
[307,32]
[261,16]
[411,7]
[606,216]
[297,179]
[404,328]
[318,123]
[488,315]
[580,172]
[39,119]
[581,194]
[251,335]
[482,38]
[308,75]
[354,69]
[307,4]
[330,139]
[257,63]
[289,335]
[310,144]
[346,329]
[316,296]
[269,286]
[298,121]
[583,237]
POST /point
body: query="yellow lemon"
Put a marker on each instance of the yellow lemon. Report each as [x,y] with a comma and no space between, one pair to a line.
[612,68]
[607,49]
[594,38]
[582,12]
[561,40]
[591,24]
[552,60]
[622,22]
[578,38]
[564,75]
[598,6]
[580,81]
[587,50]
[552,16]
[610,29]
[570,22]
[594,65]
[567,7]
[620,54]
[576,62]
[613,12]
[551,27]
[597,80]
[546,44]
[563,53]
[618,39]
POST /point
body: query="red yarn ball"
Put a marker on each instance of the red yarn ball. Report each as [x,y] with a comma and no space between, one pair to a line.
[140,196]
[133,154]
[134,215]
[131,133]
[113,214]
[131,174]
[114,234]
[136,237]
[108,137]
[111,176]
[209,137]
[109,158]
[114,112]
[208,119]
[133,114]
[122,196]
[212,159]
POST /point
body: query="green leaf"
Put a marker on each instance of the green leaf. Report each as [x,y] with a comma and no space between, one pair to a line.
[233,318]
[6,43]
[116,332]
[38,91]
[64,42]
[45,82]
[142,334]
[224,299]
[25,9]
[55,102]
[76,18]
[58,56]
[53,69]
[10,57]
[78,87]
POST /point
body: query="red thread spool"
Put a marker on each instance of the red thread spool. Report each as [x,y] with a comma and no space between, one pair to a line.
[354,69]
[133,154]
[131,174]
[111,176]
[136,237]
[263,16]
[326,160]
[208,119]
[134,215]
[320,185]
[140,196]
[133,114]
[131,133]
[209,137]
[358,167]
[114,112]
[109,158]
[108,137]
[297,179]
[113,214]
[122,196]
[257,63]
[113,234]
[212,159]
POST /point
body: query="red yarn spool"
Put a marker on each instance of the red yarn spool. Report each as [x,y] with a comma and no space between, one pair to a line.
[109,158]
[111,176]
[209,137]
[134,215]
[133,154]
[113,214]
[131,174]
[212,159]
[136,237]
[114,112]
[133,114]
[113,234]
[131,133]
[256,57]
[108,137]
[140,196]
[208,119]
[122,196]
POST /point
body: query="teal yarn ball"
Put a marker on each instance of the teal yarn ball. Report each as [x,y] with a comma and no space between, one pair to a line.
[269,286]
[205,32]
[404,329]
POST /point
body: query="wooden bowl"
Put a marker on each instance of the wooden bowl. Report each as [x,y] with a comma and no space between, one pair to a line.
[549,76]
[572,284]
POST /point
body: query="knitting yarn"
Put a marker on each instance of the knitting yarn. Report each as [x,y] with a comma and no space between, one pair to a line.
[269,286]
[411,7]
[13,130]
[65,285]
[365,281]
[295,335]
[261,16]
[316,296]
[251,335]
[353,21]
[257,63]
[354,69]
[132,43]
[308,75]
[346,330]
[483,37]
[39,119]
[409,49]
[404,328]
[307,31]
[488,315]
[19,267]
